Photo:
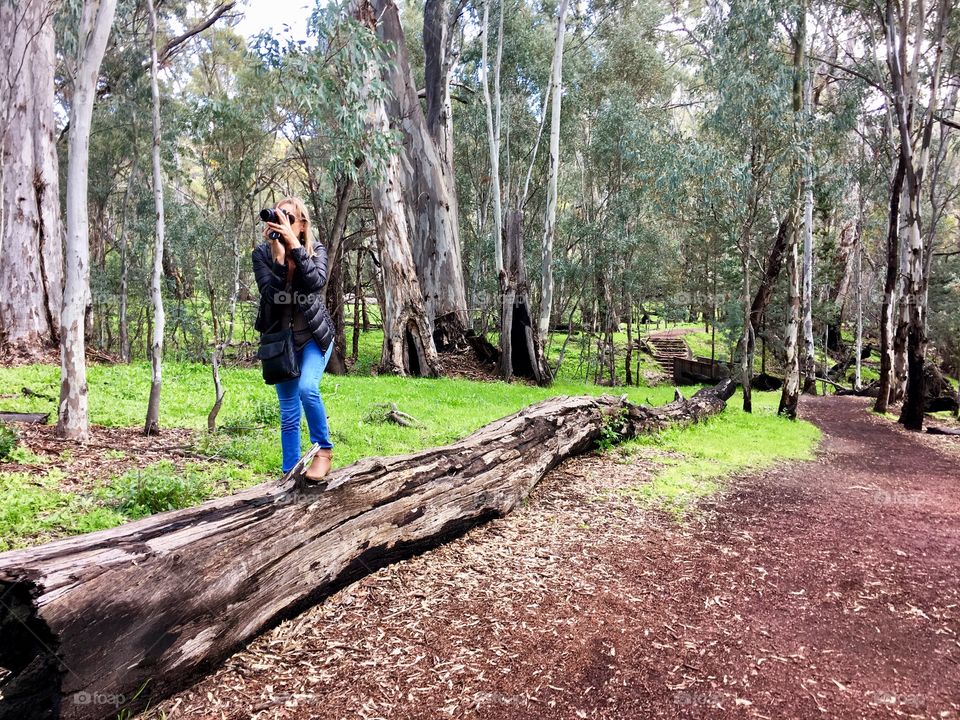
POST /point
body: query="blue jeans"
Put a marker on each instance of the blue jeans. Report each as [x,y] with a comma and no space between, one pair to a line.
[305,391]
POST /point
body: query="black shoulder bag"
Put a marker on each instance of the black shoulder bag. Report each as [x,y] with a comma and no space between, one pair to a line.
[276,351]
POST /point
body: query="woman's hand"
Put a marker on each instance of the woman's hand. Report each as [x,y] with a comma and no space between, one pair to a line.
[289,239]
[278,248]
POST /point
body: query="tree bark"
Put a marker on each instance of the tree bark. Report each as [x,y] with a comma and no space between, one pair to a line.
[771,271]
[31,294]
[426,179]
[889,292]
[177,592]
[915,295]
[95,23]
[408,346]
[125,266]
[809,359]
[790,394]
[152,424]
[553,172]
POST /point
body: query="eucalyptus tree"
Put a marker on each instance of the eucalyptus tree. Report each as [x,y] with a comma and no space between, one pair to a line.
[152,423]
[521,347]
[30,289]
[408,345]
[550,219]
[751,122]
[426,173]
[911,117]
[95,21]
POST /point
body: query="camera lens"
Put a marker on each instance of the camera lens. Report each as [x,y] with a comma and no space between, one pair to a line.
[270,215]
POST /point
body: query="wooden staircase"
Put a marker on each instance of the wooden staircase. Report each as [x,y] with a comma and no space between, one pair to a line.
[666,348]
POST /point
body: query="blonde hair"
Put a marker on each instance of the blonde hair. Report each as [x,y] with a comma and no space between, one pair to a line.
[306,234]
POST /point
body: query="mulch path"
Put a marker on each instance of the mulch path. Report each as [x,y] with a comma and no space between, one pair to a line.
[818,589]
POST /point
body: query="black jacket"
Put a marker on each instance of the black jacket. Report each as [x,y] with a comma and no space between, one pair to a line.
[307,291]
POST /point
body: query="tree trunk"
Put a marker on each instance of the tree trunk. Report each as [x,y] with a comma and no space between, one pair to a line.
[95,22]
[790,394]
[521,350]
[31,294]
[553,172]
[809,359]
[916,279]
[217,389]
[357,297]
[627,362]
[178,592]
[125,267]
[426,179]
[771,271]
[889,292]
[408,347]
[152,424]
[333,290]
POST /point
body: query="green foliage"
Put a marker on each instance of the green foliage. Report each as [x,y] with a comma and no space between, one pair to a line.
[8,440]
[33,510]
[610,431]
[157,488]
[695,460]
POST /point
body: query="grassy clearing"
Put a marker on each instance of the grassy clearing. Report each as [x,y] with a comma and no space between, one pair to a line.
[695,460]
[34,509]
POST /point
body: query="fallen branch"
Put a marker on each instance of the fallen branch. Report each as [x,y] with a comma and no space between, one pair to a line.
[394,415]
[140,611]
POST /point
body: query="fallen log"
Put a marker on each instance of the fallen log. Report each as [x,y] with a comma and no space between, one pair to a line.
[936,430]
[108,622]
[32,418]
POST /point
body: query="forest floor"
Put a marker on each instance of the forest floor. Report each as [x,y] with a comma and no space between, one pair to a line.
[825,588]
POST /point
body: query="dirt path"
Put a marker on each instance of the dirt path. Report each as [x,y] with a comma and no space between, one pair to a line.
[821,589]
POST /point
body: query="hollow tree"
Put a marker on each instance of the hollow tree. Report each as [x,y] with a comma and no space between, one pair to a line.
[425,176]
[408,345]
[521,349]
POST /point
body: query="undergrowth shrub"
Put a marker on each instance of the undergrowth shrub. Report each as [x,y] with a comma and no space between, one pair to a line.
[159,487]
[8,440]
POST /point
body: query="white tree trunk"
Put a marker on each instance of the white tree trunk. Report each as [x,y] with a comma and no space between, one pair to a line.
[31,293]
[857,380]
[152,424]
[549,226]
[809,359]
[95,23]
[493,141]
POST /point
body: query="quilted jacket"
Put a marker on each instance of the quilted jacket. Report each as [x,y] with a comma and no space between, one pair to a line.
[306,290]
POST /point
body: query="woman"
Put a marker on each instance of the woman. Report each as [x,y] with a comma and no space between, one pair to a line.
[291,273]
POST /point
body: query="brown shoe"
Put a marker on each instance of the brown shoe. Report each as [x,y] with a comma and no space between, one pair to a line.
[320,466]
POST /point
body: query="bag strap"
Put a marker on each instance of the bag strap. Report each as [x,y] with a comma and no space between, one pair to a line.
[290,269]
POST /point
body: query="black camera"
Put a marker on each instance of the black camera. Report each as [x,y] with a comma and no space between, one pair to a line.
[271,215]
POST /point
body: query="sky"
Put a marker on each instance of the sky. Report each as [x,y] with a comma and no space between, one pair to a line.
[259,15]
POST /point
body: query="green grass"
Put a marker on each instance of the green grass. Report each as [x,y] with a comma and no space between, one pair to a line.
[33,508]
[696,459]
